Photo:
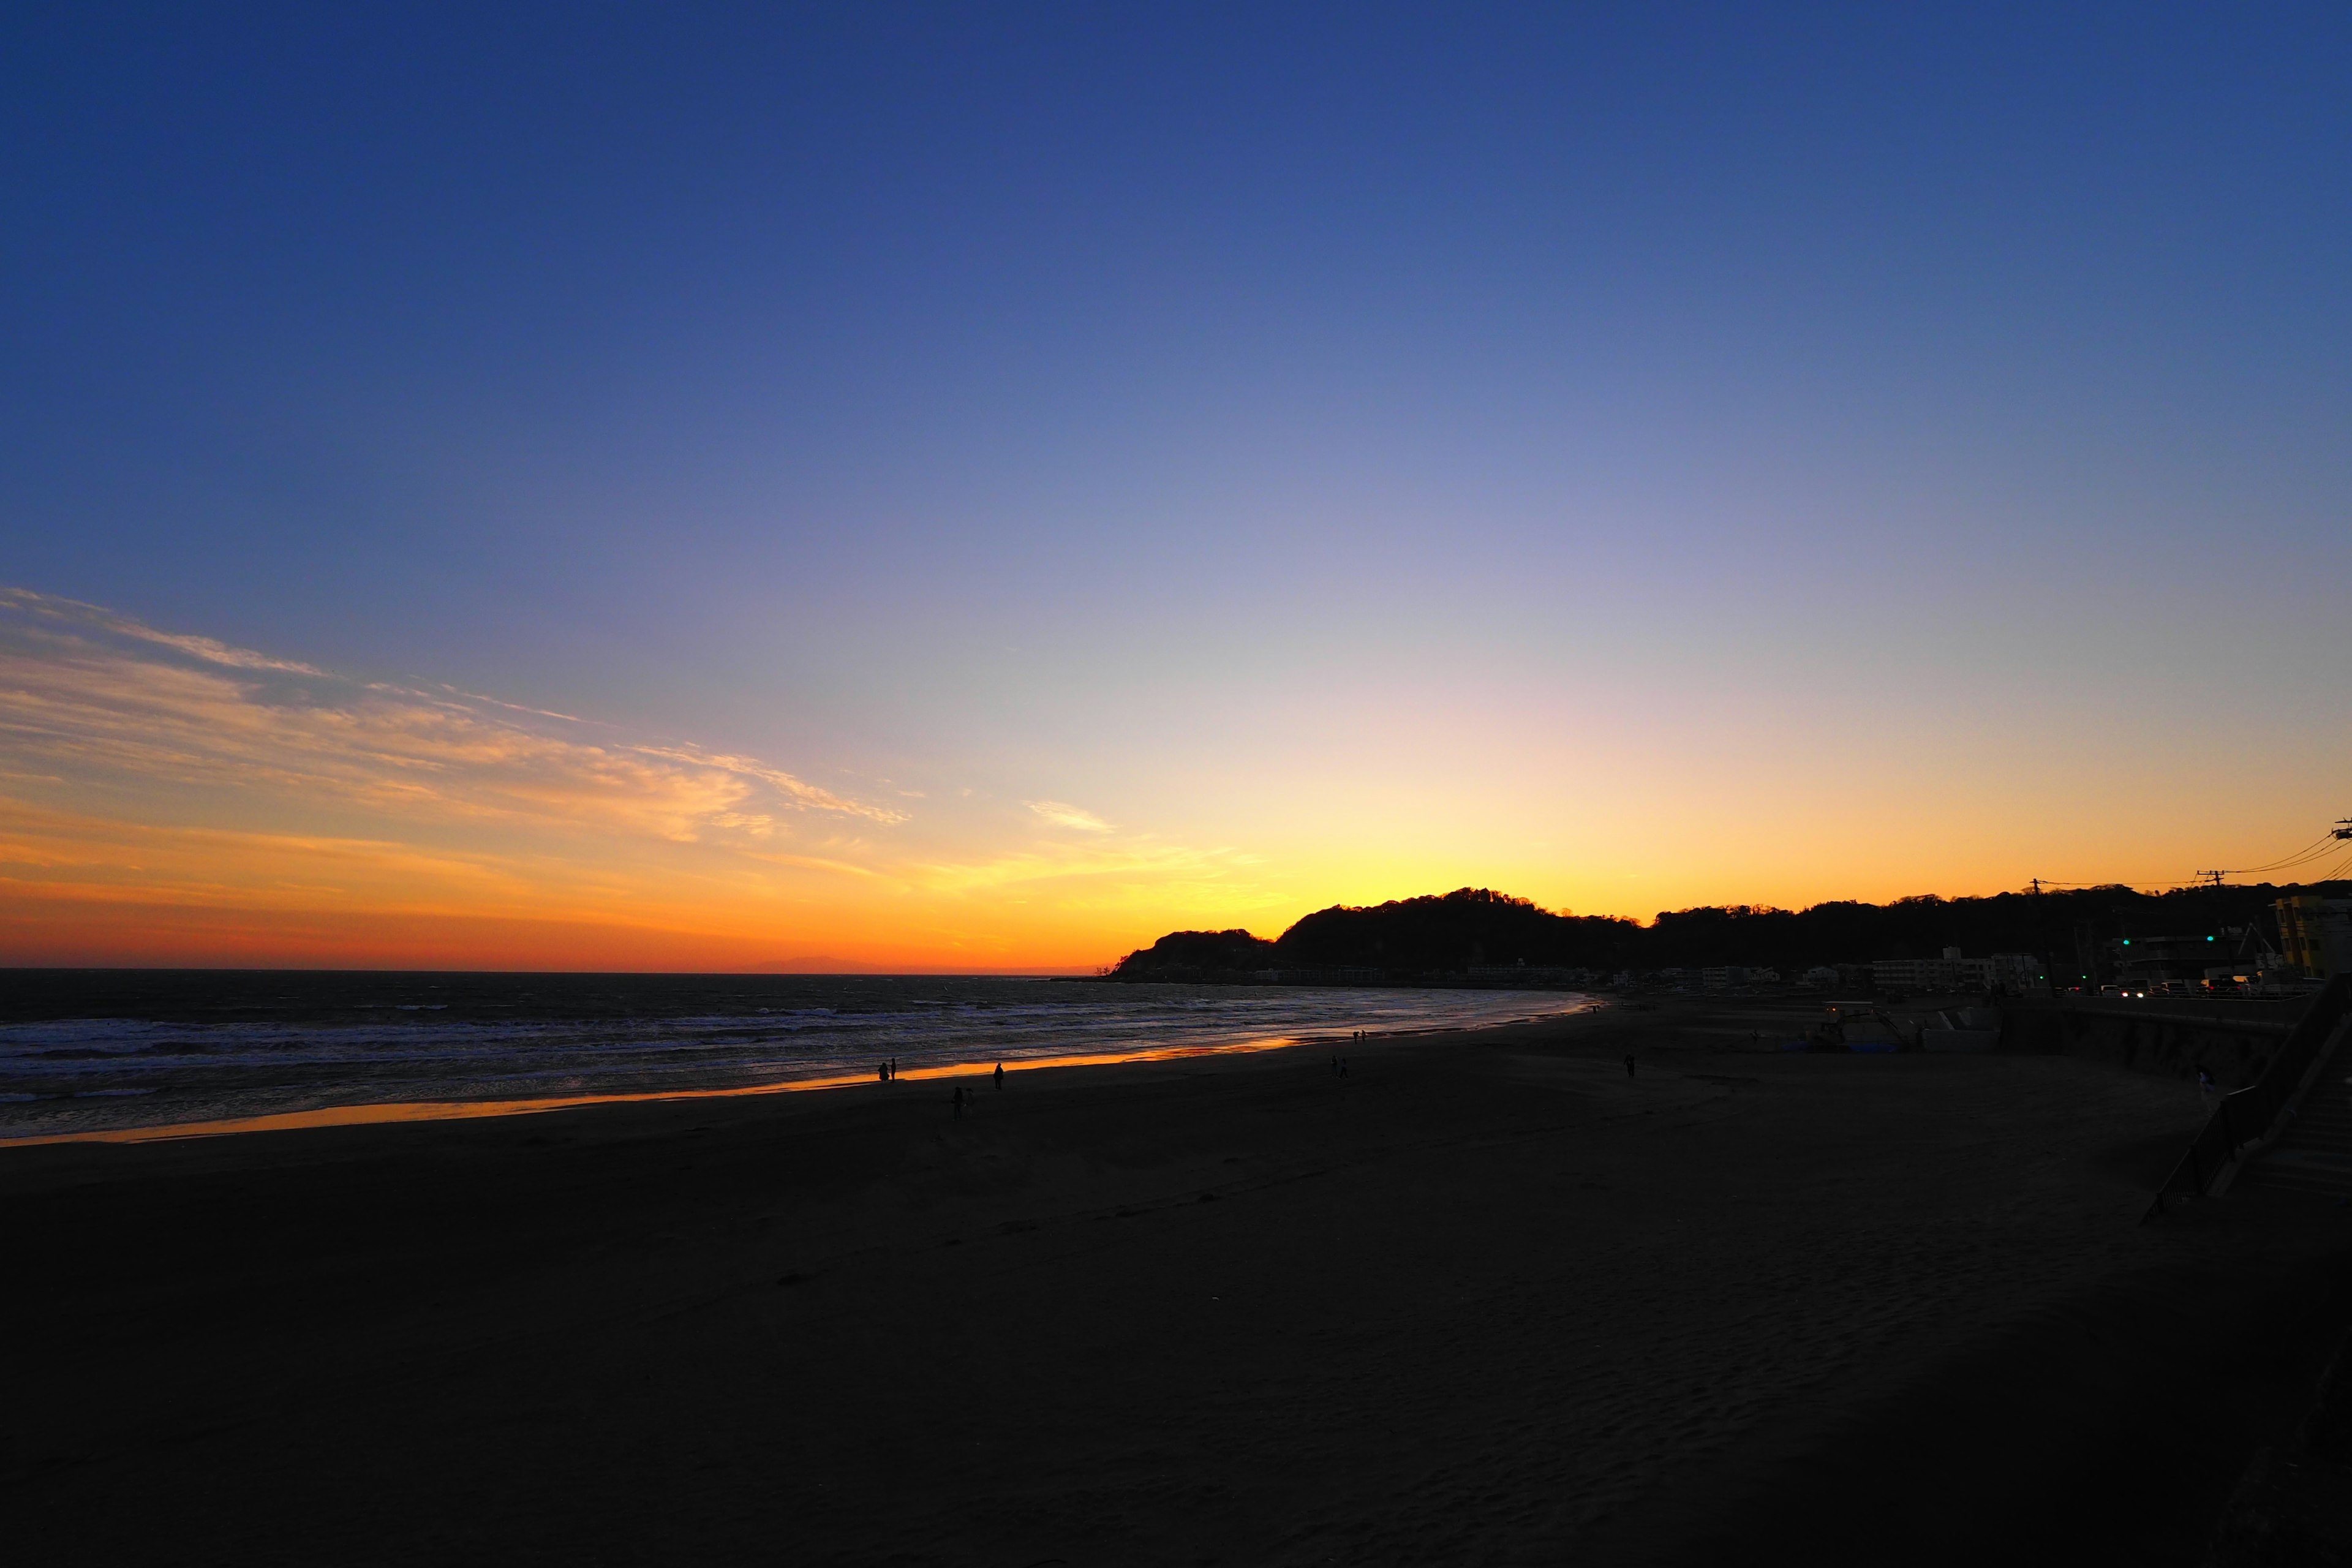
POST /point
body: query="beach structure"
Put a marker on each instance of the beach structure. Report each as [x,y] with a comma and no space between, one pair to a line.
[2289,1126]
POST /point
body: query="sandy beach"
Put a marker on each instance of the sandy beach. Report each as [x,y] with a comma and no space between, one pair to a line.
[1485,1298]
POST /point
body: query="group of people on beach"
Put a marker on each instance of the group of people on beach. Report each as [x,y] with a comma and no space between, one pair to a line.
[1338,1062]
[961,1097]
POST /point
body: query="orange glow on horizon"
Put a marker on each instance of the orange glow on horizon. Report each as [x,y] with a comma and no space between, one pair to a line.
[169,801]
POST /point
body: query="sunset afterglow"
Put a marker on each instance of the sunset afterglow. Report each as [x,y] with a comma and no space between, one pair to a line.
[783,509]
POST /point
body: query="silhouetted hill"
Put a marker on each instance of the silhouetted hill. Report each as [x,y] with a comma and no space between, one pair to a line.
[1461,930]
[1476,926]
[1197,952]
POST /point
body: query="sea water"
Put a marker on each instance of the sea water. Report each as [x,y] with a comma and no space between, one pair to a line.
[96,1051]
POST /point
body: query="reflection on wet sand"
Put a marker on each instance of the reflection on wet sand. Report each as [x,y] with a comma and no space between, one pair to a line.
[469,1110]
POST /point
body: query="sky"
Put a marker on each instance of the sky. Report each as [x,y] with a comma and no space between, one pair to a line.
[979,486]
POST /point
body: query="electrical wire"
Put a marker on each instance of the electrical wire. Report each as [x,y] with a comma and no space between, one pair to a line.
[2341,868]
[2322,848]
[2322,842]
[2319,851]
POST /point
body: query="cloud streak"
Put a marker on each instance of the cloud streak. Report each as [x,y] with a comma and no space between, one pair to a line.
[73,612]
[1063,815]
[93,695]
[168,798]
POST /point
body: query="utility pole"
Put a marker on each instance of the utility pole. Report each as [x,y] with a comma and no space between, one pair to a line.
[2343,827]
[2215,877]
[2048,954]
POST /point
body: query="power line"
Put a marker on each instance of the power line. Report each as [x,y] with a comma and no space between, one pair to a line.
[2324,848]
[2316,847]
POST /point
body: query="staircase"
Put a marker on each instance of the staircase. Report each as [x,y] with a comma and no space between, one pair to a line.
[2315,1154]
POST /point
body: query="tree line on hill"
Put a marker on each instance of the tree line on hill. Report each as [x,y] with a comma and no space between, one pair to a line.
[1476,927]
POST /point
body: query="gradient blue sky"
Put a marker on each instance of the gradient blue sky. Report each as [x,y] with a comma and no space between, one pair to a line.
[1634,457]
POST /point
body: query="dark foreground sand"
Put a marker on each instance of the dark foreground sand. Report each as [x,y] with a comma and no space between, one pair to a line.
[1483,1300]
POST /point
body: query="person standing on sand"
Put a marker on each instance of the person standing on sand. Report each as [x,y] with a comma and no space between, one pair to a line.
[883,1072]
[1000,1075]
[1629,1064]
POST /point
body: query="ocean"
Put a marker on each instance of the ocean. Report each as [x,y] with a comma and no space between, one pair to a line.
[106,1051]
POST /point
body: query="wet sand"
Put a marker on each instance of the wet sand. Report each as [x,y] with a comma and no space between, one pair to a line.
[1484,1300]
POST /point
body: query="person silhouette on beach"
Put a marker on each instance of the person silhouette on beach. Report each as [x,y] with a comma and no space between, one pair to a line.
[959,1102]
[883,1072]
[1000,1075]
[1629,1064]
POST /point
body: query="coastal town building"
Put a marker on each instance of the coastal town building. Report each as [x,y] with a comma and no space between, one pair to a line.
[1530,974]
[2163,965]
[2011,972]
[2316,933]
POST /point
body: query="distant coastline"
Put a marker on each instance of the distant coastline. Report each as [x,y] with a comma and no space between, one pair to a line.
[1476,936]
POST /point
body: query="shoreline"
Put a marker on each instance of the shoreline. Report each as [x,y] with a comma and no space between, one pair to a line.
[1489,1297]
[370,1113]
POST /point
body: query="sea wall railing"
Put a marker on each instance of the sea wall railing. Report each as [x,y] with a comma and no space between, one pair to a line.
[2252,1113]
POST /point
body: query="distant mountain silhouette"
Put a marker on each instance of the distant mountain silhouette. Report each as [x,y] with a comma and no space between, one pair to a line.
[1469,928]
[1205,951]
[1461,930]
[1452,932]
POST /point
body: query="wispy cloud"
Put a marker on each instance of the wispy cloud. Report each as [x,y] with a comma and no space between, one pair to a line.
[785,783]
[515,706]
[73,612]
[1061,814]
[91,694]
[261,799]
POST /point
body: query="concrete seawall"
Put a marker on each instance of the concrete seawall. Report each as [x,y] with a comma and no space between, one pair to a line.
[2233,1040]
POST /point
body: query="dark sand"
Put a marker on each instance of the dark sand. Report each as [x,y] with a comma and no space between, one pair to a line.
[1483,1300]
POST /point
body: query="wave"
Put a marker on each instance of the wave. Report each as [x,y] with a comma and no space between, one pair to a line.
[96,1072]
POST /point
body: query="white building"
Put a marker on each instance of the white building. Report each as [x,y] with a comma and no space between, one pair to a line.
[2013,973]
